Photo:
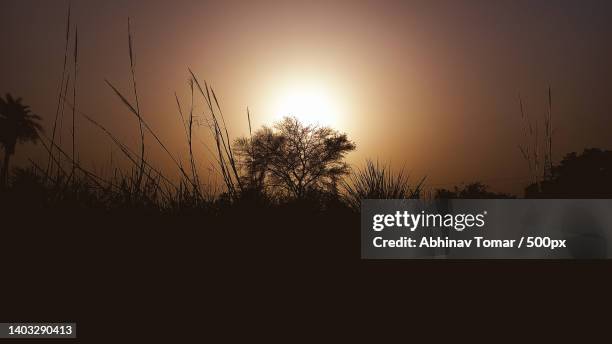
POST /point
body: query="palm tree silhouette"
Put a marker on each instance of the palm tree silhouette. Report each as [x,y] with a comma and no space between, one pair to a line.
[17,124]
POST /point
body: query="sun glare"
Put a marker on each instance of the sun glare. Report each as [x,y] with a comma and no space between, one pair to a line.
[309,104]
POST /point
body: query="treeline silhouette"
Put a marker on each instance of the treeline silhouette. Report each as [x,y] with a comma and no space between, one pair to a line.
[288,164]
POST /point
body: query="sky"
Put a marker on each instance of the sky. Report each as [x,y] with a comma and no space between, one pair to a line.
[429,86]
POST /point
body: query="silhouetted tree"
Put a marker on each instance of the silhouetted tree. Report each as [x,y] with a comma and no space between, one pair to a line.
[586,175]
[476,190]
[17,124]
[294,158]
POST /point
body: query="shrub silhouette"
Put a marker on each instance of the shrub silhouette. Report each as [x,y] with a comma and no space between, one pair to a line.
[17,125]
[475,190]
[586,175]
[377,181]
[294,159]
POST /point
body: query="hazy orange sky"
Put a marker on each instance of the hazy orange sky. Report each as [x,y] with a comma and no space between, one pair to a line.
[429,85]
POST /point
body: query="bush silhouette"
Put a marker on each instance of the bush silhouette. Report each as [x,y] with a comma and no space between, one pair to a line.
[586,175]
[377,181]
[475,190]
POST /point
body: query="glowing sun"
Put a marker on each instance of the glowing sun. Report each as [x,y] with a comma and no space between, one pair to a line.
[311,104]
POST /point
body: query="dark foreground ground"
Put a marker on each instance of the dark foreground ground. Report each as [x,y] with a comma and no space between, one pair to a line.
[278,273]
